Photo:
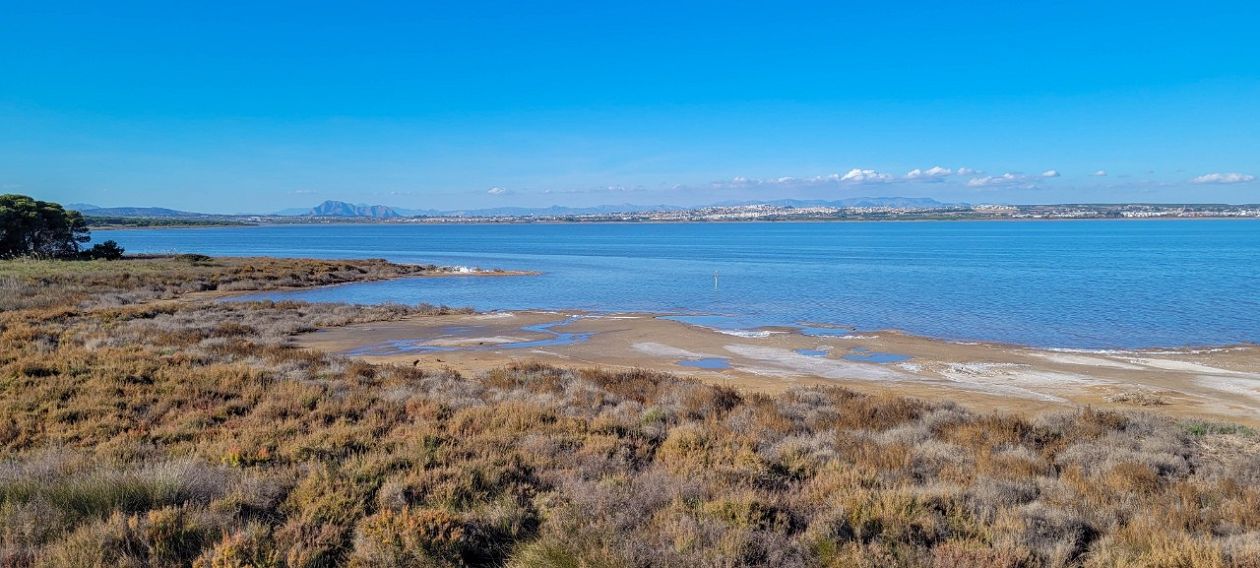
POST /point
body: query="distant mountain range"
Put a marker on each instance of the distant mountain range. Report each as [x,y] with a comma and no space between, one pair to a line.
[345,210]
[554,210]
[94,211]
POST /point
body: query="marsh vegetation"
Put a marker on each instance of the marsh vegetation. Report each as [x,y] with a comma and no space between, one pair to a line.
[145,424]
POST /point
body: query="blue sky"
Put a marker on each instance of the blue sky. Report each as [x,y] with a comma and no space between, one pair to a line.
[235,107]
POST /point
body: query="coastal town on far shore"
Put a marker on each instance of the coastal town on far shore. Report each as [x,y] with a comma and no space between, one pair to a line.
[874,209]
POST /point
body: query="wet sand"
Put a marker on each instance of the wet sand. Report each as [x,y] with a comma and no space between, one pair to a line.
[1216,384]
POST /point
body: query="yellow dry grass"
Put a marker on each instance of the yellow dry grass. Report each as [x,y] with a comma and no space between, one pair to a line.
[135,433]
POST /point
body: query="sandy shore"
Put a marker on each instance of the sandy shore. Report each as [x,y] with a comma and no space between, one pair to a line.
[1217,384]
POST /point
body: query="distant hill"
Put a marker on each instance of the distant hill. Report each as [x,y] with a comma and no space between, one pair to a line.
[136,212]
[343,209]
[80,207]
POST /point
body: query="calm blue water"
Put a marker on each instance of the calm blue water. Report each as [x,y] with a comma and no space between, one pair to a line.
[558,338]
[1089,284]
[716,363]
[867,356]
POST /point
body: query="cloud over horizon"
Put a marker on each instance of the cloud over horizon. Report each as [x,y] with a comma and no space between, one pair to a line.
[953,183]
[858,175]
[1222,178]
[934,173]
[1006,179]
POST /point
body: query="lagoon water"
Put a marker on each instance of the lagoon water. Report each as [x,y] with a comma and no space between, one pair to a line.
[1071,284]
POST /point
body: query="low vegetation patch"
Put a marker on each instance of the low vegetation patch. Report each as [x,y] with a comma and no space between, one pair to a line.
[35,283]
[1137,398]
[136,431]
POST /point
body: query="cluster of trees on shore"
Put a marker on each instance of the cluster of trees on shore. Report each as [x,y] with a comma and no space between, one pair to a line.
[43,229]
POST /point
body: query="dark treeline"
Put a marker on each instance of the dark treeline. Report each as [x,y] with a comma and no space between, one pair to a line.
[43,229]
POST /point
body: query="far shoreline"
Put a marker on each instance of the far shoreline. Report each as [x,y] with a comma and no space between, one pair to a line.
[659,222]
[771,328]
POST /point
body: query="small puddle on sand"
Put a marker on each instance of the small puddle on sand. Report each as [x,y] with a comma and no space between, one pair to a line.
[707,363]
[863,355]
[558,338]
[812,352]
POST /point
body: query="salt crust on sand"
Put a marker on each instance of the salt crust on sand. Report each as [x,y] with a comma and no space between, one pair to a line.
[827,368]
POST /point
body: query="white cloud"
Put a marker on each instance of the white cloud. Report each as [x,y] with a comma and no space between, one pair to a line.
[1007,178]
[496,190]
[1050,174]
[738,182]
[932,173]
[1223,178]
[967,171]
[1100,173]
[857,175]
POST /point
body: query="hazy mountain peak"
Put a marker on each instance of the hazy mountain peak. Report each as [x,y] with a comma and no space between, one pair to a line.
[342,209]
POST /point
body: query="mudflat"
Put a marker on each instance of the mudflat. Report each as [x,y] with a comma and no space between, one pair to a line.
[1220,383]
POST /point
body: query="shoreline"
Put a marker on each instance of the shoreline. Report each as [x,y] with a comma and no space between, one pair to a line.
[244,295]
[526,221]
[798,328]
[678,316]
[1217,383]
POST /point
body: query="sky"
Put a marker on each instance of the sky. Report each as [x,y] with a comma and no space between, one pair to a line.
[253,107]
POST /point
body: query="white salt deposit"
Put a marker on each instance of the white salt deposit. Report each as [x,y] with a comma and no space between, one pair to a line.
[1069,359]
[816,366]
[1189,367]
[1244,387]
[662,350]
[747,333]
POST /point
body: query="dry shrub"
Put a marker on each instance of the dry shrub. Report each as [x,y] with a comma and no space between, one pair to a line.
[414,537]
[248,546]
[141,433]
[979,555]
[1137,398]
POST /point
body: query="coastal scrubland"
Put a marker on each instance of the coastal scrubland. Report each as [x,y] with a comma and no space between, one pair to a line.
[32,283]
[143,423]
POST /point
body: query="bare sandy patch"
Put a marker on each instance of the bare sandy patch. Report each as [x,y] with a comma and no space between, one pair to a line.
[662,350]
[1187,366]
[1083,360]
[1216,384]
[791,361]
